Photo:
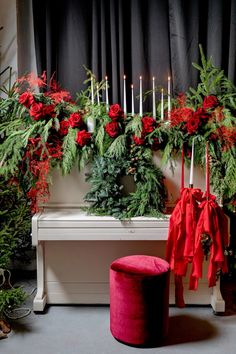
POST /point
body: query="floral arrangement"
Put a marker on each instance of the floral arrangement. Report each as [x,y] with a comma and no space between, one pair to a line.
[207,114]
[40,130]
[46,129]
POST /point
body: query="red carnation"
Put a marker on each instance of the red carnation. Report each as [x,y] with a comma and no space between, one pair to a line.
[112,129]
[115,112]
[83,138]
[148,124]
[193,124]
[27,99]
[139,141]
[64,126]
[48,110]
[75,120]
[37,110]
[210,102]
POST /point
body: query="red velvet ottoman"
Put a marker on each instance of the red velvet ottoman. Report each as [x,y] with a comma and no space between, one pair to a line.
[139,299]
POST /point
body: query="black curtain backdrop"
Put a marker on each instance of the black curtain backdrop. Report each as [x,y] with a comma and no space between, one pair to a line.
[133,37]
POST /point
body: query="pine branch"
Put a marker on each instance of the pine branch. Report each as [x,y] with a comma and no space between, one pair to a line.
[118,147]
[99,140]
[69,148]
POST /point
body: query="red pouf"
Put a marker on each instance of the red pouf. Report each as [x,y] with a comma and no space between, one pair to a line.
[139,299]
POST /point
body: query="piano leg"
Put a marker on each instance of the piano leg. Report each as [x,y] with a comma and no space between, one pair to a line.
[40,298]
[217,301]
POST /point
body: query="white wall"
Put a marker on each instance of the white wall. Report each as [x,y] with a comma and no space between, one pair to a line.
[8,39]
[16,38]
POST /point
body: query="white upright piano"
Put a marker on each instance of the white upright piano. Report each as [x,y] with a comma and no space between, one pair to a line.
[75,250]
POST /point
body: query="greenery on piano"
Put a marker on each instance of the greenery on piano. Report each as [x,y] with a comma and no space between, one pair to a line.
[109,179]
[47,129]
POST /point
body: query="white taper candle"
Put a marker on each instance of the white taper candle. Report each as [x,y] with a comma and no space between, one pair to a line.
[168,91]
[132,100]
[98,97]
[92,93]
[140,96]
[107,100]
[162,104]
[153,98]
[125,103]
[191,166]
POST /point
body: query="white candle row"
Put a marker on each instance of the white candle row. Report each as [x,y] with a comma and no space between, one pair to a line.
[140,97]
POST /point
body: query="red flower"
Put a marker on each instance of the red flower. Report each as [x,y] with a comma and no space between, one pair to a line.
[148,124]
[181,99]
[83,138]
[227,136]
[201,114]
[210,102]
[193,124]
[179,115]
[139,141]
[27,99]
[112,129]
[49,111]
[64,126]
[75,120]
[37,110]
[115,112]
[59,96]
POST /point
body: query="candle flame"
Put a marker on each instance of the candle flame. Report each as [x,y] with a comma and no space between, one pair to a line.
[140,77]
[153,78]
[106,77]
[162,90]
[132,86]
[124,77]
[168,78]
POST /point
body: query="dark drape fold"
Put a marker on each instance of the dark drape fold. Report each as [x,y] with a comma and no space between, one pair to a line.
[133,37]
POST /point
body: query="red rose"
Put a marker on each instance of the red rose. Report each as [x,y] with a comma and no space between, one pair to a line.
[27,99]
[75,120]
[210,102]
[83,138]
[112,129]
[139,141]
[186,113]
[49,110]
[201,114]
[192,125]
[115,112]
[37,110]
[64,126]
[148,124]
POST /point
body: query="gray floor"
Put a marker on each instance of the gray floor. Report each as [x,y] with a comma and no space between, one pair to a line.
[85,330]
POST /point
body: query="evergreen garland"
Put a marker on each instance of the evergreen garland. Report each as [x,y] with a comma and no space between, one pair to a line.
[106,192]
